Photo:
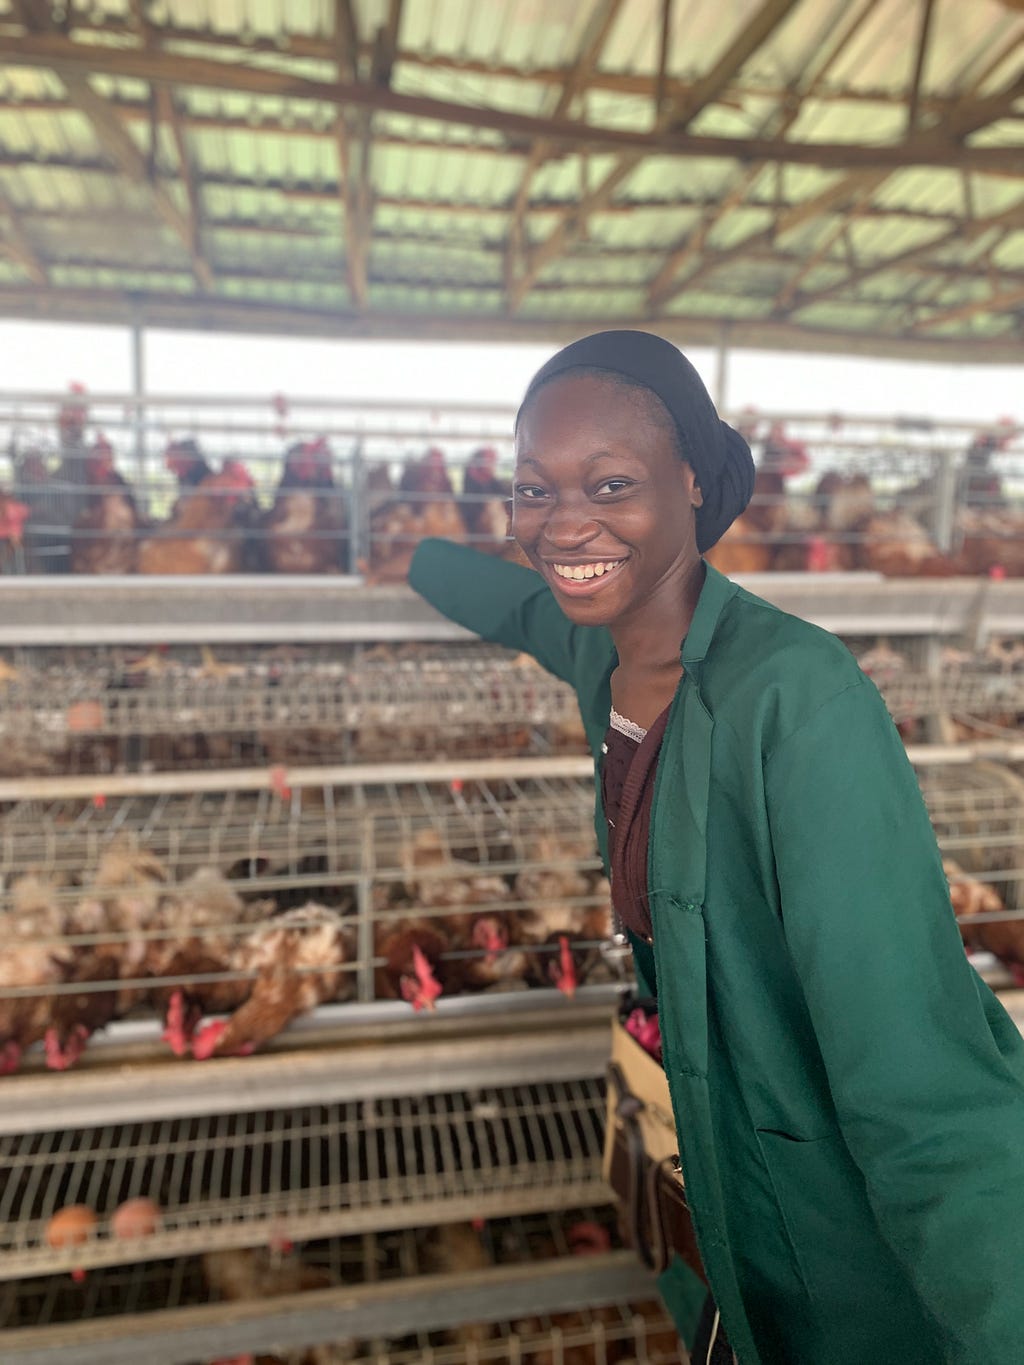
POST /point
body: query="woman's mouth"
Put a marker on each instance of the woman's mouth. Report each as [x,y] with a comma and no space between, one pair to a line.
[582,579]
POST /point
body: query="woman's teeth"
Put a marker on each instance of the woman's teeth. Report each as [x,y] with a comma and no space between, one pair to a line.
[578,572]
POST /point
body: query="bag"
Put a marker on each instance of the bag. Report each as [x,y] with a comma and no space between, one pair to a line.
[641,1151]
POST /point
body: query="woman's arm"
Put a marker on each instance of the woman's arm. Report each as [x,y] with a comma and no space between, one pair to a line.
[926,1069]
[502,602]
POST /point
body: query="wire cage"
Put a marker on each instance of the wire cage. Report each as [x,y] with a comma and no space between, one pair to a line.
[139,898]
[264,905]
[108,709]
[444,1273]
[360,483]
[244,1179]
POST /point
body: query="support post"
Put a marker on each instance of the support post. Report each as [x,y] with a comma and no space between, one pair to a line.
[721,369]
[139,415]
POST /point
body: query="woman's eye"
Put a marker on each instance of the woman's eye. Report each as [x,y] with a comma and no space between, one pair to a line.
[528,491]
[613,485]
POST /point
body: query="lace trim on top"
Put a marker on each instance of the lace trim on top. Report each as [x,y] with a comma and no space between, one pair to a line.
[629,728]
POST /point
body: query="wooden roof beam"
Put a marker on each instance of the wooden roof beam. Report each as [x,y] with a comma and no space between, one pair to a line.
[122,150]
[191,311]
[593,41]
[346,43]
[173,69]
[165,107]
[675,117]
[310,46]
[966,118]
[924,33]
[960,233]
[382,63]
[689,249]
[16,243]
[999,301]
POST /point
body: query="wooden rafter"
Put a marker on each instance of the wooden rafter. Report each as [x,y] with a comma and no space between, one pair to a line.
[311,47]
[594,38]
[924,33]
[691,247]
[346,43]
[965,118]
[998,301]
[382,63]
[121,149]
[162,68]
[166,110]
[16,243]
[676,117]
[962,233]
[176,310]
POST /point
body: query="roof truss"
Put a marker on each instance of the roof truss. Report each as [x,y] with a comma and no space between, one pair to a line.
[791,232]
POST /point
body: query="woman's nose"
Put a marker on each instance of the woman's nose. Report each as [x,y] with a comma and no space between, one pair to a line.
[567,526]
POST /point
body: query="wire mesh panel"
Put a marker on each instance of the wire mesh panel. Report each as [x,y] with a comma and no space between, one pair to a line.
[243,485]
[252,908]
[106,710]
[443,1276]
[238,1180]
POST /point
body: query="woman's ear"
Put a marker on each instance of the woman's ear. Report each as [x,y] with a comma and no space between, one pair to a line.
[693,487]
[696,496]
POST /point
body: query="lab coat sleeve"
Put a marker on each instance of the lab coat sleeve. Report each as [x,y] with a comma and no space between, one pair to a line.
[501,602]
[926,1068]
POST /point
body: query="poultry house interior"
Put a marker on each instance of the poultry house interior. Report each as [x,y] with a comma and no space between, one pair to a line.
[299,967]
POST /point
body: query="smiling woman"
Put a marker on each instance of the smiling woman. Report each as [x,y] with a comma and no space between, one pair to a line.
[848,1097]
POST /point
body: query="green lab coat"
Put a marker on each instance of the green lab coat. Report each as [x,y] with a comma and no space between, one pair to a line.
[849,1096]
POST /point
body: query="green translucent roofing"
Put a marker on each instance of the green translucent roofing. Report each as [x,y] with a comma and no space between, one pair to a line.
[824,174]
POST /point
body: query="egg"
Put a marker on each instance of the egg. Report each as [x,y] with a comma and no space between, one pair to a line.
[71,1226]
[135,1218]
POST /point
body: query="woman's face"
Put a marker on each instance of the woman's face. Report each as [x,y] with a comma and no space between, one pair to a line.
[603,506]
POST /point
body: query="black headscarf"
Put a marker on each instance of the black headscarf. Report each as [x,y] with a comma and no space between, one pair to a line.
[717,454]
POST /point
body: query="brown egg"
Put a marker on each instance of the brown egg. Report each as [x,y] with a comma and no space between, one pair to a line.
[135,1218]
[71,1226]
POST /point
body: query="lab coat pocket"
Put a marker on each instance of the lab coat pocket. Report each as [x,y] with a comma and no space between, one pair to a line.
[821,1203]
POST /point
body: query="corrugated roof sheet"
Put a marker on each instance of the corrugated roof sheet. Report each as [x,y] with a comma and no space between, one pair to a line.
[472,219]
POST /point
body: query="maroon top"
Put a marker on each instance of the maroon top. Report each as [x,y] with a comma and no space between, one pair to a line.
[627,792]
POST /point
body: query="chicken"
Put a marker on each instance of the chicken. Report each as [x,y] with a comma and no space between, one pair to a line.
[201,538]
[982,485]
[425,506]
[211,924]
[13,515]
[894,544]
[566,962]
[495,962]
[434,880]
[245,1274]
[485,503]
[854,533]
[190,467]
[578,1331]
[105,534]
[820,537]
[970,897]
[29,962]
[304,531]
[298,964]
[458,1249]
[556,895]
[413,968]
[72,418]
[127,900]
[993,543]
[753,542]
